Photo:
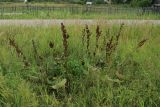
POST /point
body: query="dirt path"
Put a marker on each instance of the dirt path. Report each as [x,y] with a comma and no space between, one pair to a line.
[39,22]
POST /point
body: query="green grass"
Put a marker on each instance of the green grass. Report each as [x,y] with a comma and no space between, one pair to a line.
[76,12]
[80,15]
[128,78]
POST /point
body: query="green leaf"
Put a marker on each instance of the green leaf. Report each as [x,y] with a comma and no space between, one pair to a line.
[60,84]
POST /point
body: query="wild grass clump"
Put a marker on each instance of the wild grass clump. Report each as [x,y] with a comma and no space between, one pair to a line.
[47,66]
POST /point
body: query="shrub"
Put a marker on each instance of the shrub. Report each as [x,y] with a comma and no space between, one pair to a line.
[141,3]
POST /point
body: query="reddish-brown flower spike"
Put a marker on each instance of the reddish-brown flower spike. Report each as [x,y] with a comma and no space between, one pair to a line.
[19,52]
[141,43]
[65,37]
[98,34]
[83,35]
[88,34]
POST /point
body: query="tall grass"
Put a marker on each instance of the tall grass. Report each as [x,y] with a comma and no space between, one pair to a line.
[122,72]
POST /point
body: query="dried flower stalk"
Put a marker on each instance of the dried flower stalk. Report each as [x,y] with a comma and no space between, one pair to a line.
[65,37]
[19,52]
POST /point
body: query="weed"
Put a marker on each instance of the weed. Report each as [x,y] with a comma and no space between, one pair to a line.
[88,34]
[141,43]
[83,36]
[65,37]
[98,34]
[19,52]
[111,45]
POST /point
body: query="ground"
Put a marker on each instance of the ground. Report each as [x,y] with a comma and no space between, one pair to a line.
[46,22]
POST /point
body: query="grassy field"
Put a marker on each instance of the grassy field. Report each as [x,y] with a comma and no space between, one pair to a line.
[80,66]
[72,11]
[71,15]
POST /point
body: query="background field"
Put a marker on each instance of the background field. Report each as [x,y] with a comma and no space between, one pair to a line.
[75,11]
[36,71]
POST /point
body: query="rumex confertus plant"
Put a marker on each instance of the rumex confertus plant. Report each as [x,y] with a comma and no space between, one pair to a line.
[19,52]
[119,34]
[88,34]
[83,42]
[65,38]
[111,45]
[109,48]
[141,43]
[129,60]
[37,57]
[107,33]
[83,36]
[98,34]
[65,46]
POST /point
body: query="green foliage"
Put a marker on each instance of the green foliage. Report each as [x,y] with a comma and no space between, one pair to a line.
[141,3]
[74,11]
[75,68]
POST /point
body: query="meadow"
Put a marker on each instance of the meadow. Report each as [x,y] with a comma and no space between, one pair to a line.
[65,14]
[80,66]
[74,11]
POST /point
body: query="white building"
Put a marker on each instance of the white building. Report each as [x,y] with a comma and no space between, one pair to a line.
[108,1]
[89,3]
[25,1]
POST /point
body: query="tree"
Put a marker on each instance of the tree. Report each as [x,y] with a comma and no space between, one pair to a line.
[141,3]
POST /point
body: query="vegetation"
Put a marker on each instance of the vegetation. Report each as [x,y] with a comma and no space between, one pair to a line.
[47,10]
[69,15]
[76,12]
[141,2]
[80,66]
[132,2]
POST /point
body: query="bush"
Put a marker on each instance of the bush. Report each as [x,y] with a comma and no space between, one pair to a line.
[99,1]
[141,3]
